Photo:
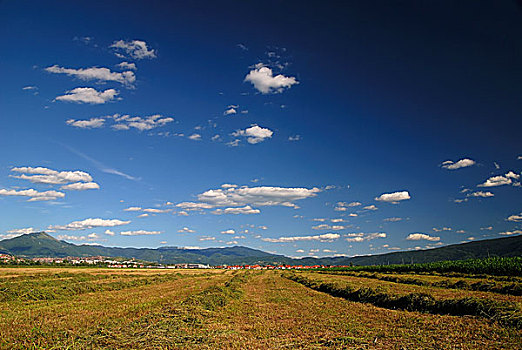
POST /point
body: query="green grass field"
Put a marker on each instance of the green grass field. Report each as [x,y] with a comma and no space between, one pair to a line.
[95,308]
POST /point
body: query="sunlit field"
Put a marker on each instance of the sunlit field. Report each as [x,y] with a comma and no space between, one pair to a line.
[86,308]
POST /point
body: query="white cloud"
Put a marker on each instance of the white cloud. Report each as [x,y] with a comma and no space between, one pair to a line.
[195,137]
[361,237]
[156,211]
[230,110]
[89,238]
[328,227]
[88,95]
[132,209]
[370,207]
[254,134]
[392,219]
[143,215]
[265,82]
[515,218]
[463,163]
[22,231]
[125,122]
[294,138]
[94,73]
[186,230]
[422,236]
[442,229]
[33,194]
[194,206]
[109,232]
[340,209]
[509,233]
[394,197]
[136,49]
[323,238]
[126,65]
[81,186]
[229,232]
[41,175]
[30,88]
[89,224]
[140,233]
[500,180]
[256,196]
[247,209]
[87,124]
[480,194]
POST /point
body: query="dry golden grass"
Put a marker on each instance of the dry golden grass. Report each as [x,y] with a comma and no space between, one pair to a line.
[200,309]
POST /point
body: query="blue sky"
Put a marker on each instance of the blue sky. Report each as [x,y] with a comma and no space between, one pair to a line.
[307,130]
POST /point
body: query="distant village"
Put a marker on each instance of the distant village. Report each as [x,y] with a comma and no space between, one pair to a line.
[102,261]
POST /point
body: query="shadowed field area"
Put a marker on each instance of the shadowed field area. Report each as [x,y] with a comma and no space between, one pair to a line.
[209,309]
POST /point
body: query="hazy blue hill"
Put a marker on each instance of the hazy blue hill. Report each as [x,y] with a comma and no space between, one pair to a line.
[43,245]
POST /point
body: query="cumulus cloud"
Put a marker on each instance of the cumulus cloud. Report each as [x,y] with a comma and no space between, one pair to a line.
[22,231]
[194,206]
[127,65]
[247,209]
[294,138]
[463,163]
[132,209]
[256,196]
[81,186]
[370,207]
[322,238]
[328,227]
[195,137]
[88,95]
[510,233]
[230,110]
[89,224]
[122,122]
[254,134]
[393,197]
[125,122]
[41,175]
[422,236]
[33,194]
[507,179]
[89,238]
[186,230]
[140,233]
[92,123]
[94,73]
[361,237]
[229,232]
[265,82]
[515,218]
[480,194]
[109,233]
[136,49]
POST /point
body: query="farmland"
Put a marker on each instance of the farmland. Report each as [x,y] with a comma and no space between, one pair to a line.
[80,308]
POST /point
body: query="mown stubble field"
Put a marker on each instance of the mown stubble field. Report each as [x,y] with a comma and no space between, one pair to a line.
[78,308]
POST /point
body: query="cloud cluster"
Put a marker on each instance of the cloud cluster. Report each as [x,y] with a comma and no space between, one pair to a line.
[361,237]
[71,180]
[94,73]
[123,122]
[88,95]
[463,163]
[265,82]
[89,238]
[247,209]
[508,179]
[140,233]
[515,218]
[254,134]
[327,237]
[393,197]
[136,49]
[33,194]
[422,236]
[88,224]
[510,233]
[481,194]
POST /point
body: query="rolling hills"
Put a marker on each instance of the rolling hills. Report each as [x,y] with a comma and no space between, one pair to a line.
[41,244]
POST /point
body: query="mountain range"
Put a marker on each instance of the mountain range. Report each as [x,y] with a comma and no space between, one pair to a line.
[41,244]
